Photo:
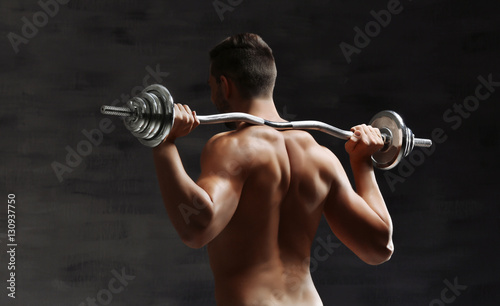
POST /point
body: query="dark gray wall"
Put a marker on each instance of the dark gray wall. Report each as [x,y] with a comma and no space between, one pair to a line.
[106,214]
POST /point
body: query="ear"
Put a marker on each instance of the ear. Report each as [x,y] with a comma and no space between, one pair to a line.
[226,86]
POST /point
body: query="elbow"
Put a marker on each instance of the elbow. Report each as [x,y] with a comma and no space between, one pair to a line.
[380,254]
[194,243]
[196,236]
[197,232]
[193,239]
[380,249]
[383,248]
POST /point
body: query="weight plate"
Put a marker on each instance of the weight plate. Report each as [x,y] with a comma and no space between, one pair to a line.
[393,151]
[137,124]
[165,119]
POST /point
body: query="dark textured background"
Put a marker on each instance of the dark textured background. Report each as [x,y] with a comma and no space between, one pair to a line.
[107,214]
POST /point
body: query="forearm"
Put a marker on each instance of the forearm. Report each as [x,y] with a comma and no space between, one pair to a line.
[367,188]
[188,205]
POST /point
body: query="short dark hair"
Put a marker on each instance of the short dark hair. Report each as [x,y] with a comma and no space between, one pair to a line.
[248,61]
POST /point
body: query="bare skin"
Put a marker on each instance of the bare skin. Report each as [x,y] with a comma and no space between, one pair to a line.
[259,199]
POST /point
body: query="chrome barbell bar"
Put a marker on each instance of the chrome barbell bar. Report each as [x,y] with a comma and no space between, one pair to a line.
[150,116]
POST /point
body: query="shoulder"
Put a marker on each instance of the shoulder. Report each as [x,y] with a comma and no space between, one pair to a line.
[245,146]
[306,142]
[302,138]
[218,141]
[315,154]
[252,136]
[227,148]
[219,147]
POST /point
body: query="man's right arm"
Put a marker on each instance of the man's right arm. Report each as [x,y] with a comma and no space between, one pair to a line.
[360,219]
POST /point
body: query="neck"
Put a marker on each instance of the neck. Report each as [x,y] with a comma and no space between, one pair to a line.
[260,107]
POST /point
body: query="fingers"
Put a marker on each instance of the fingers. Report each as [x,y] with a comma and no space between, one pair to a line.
[367,134]
[185,121]
[365,140]
[185,116]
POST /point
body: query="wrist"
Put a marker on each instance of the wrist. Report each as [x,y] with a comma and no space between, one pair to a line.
[170,139]
[164,145]
[364,177]
[361,163]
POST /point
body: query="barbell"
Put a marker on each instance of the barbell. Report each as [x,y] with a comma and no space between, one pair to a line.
[149,116]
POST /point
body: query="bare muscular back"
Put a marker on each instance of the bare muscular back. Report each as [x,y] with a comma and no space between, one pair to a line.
[261,256]
[258,202]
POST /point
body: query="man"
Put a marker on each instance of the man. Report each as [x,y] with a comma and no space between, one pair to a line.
[261,193]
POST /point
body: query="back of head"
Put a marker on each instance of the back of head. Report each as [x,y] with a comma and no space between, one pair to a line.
[248,61]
